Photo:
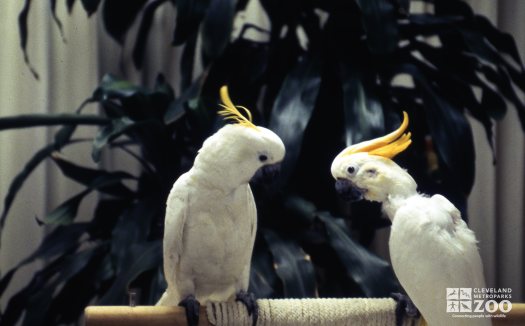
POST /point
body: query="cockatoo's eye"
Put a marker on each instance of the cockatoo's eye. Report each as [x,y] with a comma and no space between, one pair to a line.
[263,158]
[351,169]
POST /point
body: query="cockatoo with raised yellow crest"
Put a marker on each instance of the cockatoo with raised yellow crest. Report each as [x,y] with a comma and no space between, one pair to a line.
[211,218]
[431,247]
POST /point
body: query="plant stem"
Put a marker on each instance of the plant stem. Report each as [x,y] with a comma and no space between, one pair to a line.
[41,120]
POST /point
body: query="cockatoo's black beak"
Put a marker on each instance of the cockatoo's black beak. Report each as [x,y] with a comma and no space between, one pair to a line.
[267,173]
[348,191]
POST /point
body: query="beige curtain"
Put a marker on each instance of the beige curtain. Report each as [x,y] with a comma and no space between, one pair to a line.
[68,74]
[496,209]
[69,71]
[496,203]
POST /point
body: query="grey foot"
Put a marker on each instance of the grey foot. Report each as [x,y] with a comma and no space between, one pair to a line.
[404,307]
[192,307]
[248,299]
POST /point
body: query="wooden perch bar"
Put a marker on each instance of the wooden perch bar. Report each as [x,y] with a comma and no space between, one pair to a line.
[139,316]
[377,313]
[515,317]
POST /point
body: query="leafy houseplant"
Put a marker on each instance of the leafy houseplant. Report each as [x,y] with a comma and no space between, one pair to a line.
[339,89]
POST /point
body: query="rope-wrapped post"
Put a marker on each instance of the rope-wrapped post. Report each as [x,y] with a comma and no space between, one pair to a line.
[318,312]
[272,312]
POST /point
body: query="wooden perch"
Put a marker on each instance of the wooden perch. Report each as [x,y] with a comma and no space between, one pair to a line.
[139,316]
[308,312]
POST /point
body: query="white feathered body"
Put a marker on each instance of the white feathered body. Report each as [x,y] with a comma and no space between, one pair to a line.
[432,249]
[209,246]
[211,218]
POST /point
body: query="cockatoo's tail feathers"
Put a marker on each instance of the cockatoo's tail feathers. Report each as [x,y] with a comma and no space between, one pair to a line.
[231,112]
[387,146]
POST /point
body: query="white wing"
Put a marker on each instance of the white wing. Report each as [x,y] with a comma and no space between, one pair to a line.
[252,217]
[447,206]
[176,214]
[432,249]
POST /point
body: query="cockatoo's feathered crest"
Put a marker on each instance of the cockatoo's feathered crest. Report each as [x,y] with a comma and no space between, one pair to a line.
[231,112]
[387,146]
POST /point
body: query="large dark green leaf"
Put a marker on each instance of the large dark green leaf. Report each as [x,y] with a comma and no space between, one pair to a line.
[90,6]
[61,240]
[146,256]
[64,134]
[22,27]
[45,280]
[5,280]
[478,45]
[189,16]
[106,215]
[87,176]
[74,296]
[44,120]
[114,87]
[294,106]
[177,108]
[292,265]
[217,28]
[380,24]
[69,5]
[187,62]
[142,34]
[119,127]
[489,101]
[303,210]
[20,178]
[133,226]
[112,131]
[373,275]
[58,22]
[503,42]
[403,5]
[123,99]
[363,113]
[428,25]
[263,279]
[162,87]
[39,301]
[450,131]
[18,303]
[504,72]
[66,212]
[457,74]
[119,15]
[502,79]
[453,138]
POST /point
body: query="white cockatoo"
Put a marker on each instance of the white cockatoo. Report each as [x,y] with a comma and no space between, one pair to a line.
[431,247]
[211,218]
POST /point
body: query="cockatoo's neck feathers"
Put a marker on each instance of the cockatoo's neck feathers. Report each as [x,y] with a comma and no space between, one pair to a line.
[387,146]
[231,112]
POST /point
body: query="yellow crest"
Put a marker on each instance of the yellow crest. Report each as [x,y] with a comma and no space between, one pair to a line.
[231,112]
[387,146]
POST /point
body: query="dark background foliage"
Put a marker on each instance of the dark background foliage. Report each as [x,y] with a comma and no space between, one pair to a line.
[337,90]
